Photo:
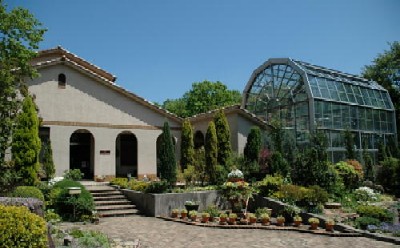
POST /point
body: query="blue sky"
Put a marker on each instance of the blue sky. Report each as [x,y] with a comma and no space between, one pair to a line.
[158,48]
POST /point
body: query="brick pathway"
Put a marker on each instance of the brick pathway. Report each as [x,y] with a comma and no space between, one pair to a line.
[156,233]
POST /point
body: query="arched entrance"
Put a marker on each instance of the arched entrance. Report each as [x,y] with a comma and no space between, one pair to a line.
[198,139]
[126,155]
[81,152]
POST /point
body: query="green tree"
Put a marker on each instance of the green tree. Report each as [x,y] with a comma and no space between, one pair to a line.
[47,163]
[349,144]
[26,143]
[385,70]
[223,137]
[20,35]
[368,163]
[202,97]
[252,152]
[187,144]
[211,152]
[167,156]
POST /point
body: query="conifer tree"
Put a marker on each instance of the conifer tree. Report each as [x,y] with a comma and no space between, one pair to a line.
[223,137]
[349,144]
[253,145]
[47,163]
[211,152]
[187,145]
[26,143]
[167,156]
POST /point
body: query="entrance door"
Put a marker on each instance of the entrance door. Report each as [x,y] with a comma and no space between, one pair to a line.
[81,154]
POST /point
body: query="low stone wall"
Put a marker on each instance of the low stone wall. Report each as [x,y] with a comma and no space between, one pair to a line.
[162,204]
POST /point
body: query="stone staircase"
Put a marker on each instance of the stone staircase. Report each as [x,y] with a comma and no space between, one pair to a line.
[109,201]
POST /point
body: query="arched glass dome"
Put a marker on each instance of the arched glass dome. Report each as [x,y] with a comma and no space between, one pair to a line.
[305,97]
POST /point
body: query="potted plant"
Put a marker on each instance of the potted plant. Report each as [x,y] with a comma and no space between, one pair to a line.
[314,223]
[329,224]
[289,211]
[264,219]
[174,213]
[280,220]
[213,211]
[232,218]
[252,218]
[222,218]
[205,217]
[193,215]
[184,213]
[191,205]
[235,176]
[297,220]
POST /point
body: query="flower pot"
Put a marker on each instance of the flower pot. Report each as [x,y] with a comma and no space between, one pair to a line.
[265,222]
[193,218]
[253,220]
[234,180]
[314,226]
[205,219]
[280,222]
[183,215]
[329,227]
[174,215]
[297,223]
[222,220]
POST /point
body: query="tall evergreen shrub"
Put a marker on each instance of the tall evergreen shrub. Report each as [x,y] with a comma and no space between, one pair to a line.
[223,137]
[211,152]
[167,156]
[187,145]
[47,163]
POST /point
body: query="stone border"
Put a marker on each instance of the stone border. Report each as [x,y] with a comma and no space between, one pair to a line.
[302,229]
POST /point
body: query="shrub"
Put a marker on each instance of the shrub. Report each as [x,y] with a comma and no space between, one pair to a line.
[388,175]
[349,175]
[74,174]
[90,238]
[270,184]
[28,191]
[375,212]
[138,185]
[291,193]
[261,211]
[316,195]
[157,187]
[120,181]
[363,222]
[21,228]
[52,217]
[365,194]
[64,203]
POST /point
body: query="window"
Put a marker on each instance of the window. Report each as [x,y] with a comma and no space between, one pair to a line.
[62,81]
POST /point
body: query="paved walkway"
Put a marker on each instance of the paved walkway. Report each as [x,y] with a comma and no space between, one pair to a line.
[157,233]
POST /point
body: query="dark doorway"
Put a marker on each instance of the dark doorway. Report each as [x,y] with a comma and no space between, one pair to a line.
[81,155]
[198,140]
[126,155]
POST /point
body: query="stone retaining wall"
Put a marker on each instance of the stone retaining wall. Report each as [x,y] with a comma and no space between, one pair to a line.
[162,204]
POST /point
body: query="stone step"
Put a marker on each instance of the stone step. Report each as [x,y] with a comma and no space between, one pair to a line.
[93,183]
[114,207]
[99,188]
[108,198]
[101,193]
[116,213]
[112,202]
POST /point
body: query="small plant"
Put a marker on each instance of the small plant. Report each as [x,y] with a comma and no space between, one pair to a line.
[184,211]
[212,210]
[205,215]
[313,220]
[251,215]
[73,175]
[232,216]
[264,216]
[260,211]
[280,218]
[175,211]
[193,213]
[297,218]
[330,222]
[223,215]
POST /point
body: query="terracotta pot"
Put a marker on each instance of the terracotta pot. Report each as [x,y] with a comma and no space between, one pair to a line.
[280,222]
[297,223]
[183,215]
[193,218]
[174,215]
[265,222]
[314,226]
[253,220]
[329,227]
[222,220]
[205,219]
[231,221]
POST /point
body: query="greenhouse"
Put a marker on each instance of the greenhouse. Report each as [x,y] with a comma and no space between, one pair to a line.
[306,97]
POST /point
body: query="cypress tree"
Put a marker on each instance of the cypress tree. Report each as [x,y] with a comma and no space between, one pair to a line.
[187,145]
[349,144]
[253,145]
[26,143]
[223,137]
[211,152]
[47,163]
[167,156]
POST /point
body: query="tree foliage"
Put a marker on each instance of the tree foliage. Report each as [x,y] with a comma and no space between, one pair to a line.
[349,144]
[167,156]
[385,70]
[223,137]
[253,145]
[26,143]
[20,35]
[47,163]
[187,144]
[211,152]
[204,96]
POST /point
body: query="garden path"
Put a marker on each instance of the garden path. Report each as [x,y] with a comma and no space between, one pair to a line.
[157,233]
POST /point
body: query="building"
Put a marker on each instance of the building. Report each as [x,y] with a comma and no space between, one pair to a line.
[306,97]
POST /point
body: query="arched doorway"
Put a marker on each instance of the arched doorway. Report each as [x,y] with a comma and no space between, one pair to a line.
[198,139]
[81,152]
[126,155]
